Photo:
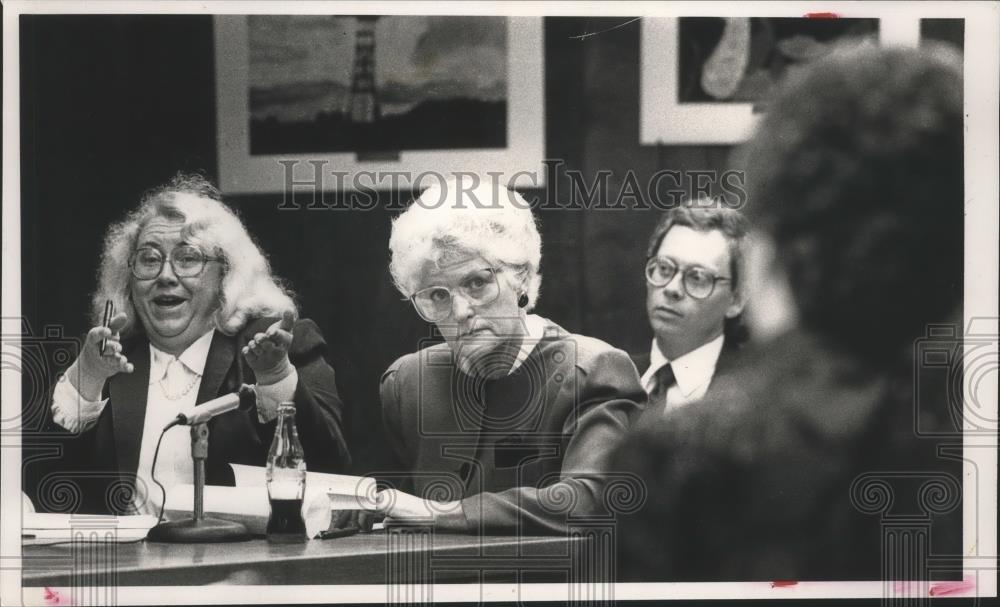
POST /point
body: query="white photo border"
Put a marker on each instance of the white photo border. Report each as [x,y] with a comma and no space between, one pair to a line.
[982,195]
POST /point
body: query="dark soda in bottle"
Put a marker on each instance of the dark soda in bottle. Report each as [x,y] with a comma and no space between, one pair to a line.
[286,480]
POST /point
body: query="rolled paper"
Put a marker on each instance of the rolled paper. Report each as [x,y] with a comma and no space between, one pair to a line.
[247,505]
[345,492]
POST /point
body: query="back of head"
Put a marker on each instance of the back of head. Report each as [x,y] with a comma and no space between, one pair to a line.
[857,173]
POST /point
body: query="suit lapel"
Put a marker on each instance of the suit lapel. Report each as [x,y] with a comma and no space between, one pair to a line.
[221,354]
[128,393]
[727,359]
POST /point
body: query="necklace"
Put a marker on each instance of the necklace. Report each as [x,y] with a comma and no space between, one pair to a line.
[182,393]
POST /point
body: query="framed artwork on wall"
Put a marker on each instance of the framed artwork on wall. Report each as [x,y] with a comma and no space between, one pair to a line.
[704,79]
[377,101]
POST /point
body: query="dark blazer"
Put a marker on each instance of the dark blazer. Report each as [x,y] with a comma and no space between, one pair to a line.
[728,361]
[524,453]
[234,437]
[756,483]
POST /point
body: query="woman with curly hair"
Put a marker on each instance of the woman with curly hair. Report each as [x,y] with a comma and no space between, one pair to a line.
[507,426]
[199,313]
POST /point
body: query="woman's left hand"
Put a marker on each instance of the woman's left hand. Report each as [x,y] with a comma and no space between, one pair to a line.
[267,352]
[402,506]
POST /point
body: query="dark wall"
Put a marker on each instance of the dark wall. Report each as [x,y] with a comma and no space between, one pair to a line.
[112,105]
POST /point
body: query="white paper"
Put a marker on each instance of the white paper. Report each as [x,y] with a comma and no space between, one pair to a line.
[346,492]
[53,526]
[247,505]
[248,501]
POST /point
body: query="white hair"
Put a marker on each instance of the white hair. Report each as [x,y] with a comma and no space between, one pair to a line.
[247,290]
[463,217]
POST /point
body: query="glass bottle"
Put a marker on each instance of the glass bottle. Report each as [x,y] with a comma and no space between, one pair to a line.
[286,480]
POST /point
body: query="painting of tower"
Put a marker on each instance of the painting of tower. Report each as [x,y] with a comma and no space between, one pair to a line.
[364,107]
[377,83]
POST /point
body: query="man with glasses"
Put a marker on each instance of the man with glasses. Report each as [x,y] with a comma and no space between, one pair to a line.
[693,301]
[810,460]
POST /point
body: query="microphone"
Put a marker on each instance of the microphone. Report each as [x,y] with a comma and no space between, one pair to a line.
[244,400]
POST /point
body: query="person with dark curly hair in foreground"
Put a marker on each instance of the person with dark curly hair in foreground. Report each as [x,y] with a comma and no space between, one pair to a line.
[856,182]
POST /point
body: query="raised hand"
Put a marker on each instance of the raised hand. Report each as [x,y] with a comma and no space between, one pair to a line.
[267,352]
[93,367]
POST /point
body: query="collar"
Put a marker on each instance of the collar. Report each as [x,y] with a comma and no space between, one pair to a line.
[193,358]
[692,370]
[534,326]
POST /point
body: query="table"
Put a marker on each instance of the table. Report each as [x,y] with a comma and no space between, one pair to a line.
[373,558]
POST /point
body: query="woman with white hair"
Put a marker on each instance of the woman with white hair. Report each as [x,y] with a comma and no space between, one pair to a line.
[508,425]
[198,314]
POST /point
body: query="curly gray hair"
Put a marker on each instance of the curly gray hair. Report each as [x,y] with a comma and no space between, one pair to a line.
[462,217]
[248,288]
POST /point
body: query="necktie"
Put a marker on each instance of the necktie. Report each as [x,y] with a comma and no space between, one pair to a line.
[664,380]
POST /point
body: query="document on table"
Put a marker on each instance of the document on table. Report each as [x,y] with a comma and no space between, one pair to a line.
[248,501]
[48,527]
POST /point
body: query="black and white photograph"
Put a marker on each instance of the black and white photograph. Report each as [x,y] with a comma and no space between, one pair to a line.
[381,302]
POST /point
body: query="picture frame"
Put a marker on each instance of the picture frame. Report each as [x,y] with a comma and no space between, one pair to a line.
[663,119]
[519,163]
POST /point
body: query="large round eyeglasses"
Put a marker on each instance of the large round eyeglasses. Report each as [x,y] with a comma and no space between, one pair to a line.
[479,288]
[698,282]
[186,260]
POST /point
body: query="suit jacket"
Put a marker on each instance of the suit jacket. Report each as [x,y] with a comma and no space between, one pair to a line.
[728,361]
[234,437]
[756,483]
[527,452]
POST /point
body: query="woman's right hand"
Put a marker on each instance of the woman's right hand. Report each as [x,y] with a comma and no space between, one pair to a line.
[93,367]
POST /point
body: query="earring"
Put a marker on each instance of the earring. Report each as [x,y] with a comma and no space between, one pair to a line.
[522,301]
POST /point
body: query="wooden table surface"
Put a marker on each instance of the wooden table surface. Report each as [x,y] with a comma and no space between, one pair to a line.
[372,558]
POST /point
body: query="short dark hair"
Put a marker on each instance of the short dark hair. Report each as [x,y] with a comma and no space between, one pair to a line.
[857,173]
[706,215]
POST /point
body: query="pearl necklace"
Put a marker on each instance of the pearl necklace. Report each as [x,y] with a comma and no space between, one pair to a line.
[180,395]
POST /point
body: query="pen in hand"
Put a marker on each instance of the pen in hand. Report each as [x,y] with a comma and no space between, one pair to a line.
[109,312]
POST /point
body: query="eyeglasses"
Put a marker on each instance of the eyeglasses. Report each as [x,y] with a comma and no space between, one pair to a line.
[698,282]
[479,288]
[186,260]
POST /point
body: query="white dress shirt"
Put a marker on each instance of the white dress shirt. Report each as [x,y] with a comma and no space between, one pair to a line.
[693,372]
[173,385]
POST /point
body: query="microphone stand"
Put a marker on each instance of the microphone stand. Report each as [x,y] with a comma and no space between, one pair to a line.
[198,528]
